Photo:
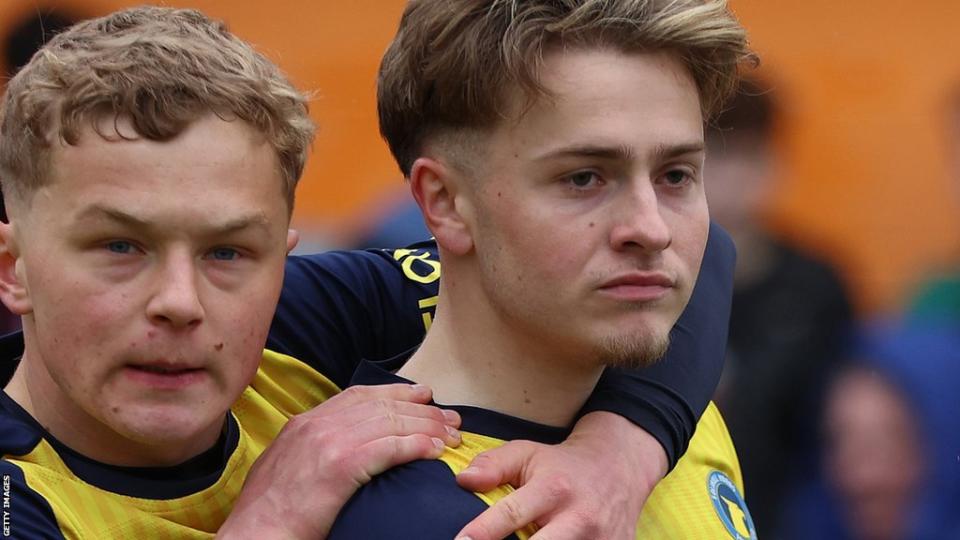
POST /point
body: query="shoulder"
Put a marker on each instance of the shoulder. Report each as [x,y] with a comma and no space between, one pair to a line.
[291,385]
[26,512]
[419,500]
[17,436]
[711,443]
[702,498]
[339,307]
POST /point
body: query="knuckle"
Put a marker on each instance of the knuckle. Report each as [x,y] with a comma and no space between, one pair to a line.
[589,521]
[396,447]
[354,392]
[309,427]
[434,413]
[512,511]
[296,424]
[335,454]
[480,530]
[482,459]
[558,487]
[395,421]
[348,465]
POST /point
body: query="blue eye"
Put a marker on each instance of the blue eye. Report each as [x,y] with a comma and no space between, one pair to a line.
[120,246]
[224,254]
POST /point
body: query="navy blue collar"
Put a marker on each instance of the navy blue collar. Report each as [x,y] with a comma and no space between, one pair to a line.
[20,433]
[474,419]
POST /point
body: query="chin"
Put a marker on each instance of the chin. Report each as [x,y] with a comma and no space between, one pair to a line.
[173,426]
[634,350]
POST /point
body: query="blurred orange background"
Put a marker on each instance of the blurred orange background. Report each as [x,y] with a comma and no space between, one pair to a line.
[861,83]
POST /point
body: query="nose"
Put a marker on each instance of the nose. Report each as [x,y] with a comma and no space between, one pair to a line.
[176,298]
[638,221]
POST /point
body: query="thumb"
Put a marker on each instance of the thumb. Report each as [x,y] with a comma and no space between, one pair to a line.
[503,465]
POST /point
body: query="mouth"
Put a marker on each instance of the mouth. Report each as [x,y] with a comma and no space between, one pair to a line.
[638,286]
[164,376]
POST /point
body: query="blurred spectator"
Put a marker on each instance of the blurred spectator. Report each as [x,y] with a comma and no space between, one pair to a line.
[790,317]
[891,469]
[22,39]
[391,221]
[939,298]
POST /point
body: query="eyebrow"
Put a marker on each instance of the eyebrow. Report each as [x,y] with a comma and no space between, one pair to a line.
[664,152]
[99,211]
[597,151]
[622,152]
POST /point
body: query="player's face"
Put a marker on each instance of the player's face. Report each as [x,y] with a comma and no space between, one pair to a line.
[153,271]
[591,216]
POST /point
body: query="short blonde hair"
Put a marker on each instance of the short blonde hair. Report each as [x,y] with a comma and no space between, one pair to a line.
[451,61]
[161,68]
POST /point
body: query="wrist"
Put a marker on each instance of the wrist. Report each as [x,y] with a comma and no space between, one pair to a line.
[263,527]
[625,445]
[265,521]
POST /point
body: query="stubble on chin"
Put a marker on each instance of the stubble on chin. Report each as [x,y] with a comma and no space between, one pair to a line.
[635,351]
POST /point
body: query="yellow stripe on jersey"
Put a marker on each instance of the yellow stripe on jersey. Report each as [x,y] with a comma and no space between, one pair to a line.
[471,445]
[282,387]
[681,506]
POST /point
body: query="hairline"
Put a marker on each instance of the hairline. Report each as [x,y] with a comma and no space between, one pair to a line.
[452,139]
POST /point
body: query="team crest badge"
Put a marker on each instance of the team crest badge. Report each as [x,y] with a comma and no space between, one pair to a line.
[730,507]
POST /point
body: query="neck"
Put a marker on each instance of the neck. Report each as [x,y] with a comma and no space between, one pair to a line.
[471,356]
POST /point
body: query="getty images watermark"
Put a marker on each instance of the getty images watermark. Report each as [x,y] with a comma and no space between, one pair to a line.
[6,505]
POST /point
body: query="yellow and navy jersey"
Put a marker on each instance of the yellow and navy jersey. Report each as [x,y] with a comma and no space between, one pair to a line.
[51,492]
[699,500]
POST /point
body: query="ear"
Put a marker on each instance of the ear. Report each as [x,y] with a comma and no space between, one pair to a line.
[443,199]
[13,291]
[293,238]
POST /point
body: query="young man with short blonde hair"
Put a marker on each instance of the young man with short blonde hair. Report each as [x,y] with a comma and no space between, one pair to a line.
[556,150]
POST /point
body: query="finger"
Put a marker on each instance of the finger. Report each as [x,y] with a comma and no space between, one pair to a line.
[379,427]
[415,393]
[384,453]
[513,512]
[572,529]
[502,465]
[386,407]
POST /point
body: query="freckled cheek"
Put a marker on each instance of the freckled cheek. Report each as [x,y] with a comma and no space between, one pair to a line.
[244,334]
[83,319]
